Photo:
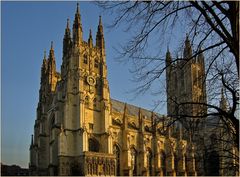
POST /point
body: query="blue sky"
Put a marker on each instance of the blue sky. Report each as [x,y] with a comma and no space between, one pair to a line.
[27,30]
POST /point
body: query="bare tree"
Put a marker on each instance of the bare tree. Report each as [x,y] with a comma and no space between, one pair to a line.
[213,28]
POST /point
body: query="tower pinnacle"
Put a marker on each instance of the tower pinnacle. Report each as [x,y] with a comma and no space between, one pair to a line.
[100,37]
[223,101]
[51,52]
[51,60]
[188,48]
[51,45]
[44,65]
[45,55]
[67,41]
[168,57]
[77,11]
[90,40]
[77,27]
[68,23]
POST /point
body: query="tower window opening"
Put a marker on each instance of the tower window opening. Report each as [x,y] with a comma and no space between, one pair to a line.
[149,162]
[163,164]
[96,63]
[85,60]
[93,145]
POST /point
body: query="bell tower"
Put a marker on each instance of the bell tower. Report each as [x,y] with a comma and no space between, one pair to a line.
[86,117]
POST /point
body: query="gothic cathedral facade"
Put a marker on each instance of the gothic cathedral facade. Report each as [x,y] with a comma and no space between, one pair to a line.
[80,130]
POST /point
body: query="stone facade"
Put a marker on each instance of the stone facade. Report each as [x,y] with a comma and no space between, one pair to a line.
[80,130]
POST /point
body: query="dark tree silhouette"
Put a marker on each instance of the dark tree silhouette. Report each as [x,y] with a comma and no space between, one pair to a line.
[212,26]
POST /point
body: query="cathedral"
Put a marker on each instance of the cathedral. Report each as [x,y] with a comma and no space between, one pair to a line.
[80,130]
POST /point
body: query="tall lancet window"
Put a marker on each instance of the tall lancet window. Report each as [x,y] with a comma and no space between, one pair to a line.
[116,151]
[163,164]
[134,161]
[149,162]
[85,59]
[176,163]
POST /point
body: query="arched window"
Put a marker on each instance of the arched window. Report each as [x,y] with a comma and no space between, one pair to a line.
[96,63]
[85,59]
[163,163]
[93,145]
[176,163]
[134,161]
[149,162]
[116,151]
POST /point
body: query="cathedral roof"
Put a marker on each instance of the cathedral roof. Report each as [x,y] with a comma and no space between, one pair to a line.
[133,110]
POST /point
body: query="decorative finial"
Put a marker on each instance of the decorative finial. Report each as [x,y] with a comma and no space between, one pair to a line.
[78,7]
[68,23]
[45,54]
[222,90]
[100,20]
[32,140]
[90,33]
[51,45]
[168,49]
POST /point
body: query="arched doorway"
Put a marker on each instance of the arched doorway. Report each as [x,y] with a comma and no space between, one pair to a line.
[116,151]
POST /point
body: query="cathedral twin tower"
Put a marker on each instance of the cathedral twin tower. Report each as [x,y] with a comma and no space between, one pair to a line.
[80,130]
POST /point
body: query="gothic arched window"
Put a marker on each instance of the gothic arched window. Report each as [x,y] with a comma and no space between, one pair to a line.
[149,162]
[176,163]
[134,161]
[96,63]
[93,145]
[85,59]
[163,163]
[116,151]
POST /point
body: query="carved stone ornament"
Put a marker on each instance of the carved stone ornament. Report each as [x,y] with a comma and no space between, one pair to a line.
[91,80]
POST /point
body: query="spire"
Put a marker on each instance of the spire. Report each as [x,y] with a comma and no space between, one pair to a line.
[223,101]
[125,122]
[100,37]
[77,11]
[100,27]
[200,56]
[67,30]
[45,55]
[44,64]
[168,57]
[67,41]
[51,52]
[51,60]
[90,40]
[31,146]
[32,140]
[188,48]
[77,27]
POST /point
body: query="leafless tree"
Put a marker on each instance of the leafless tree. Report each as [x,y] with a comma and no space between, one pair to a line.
[213,28]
